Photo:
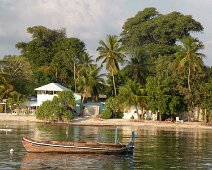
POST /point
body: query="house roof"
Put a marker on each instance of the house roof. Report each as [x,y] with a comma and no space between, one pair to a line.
[53,87]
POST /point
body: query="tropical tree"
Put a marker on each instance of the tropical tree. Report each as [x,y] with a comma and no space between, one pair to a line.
[110,52]
[51,54]
[15,101]
[20,72]
[89,82]
[60,108]
[82,61]
[132,95]
[138,67]
[162,90]
[41,49]
[67,99]
[188,58]
[157,33]
[85,60]
[5,86]
[204,87]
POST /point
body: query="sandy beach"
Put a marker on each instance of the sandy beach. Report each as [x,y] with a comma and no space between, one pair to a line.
[142,123]
[87,121]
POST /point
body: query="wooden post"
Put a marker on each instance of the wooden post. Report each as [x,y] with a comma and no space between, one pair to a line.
[133,136]
[116,135]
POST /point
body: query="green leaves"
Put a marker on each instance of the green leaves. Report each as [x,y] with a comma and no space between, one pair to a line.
[161,96]
[90,81]
[149,27]
[54,50]
[130,95]
[110,53]
[60,108]
[188,57]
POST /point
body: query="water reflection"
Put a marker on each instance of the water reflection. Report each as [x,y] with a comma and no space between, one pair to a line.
[76,161]
[179,149]
[81,133]
[156,148]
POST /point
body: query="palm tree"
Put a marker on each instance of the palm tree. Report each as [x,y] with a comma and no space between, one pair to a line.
[188,57]
[111,54]
[85,60]
[89,82]
[132,94]
[137,67]
[5,85]
[15,100]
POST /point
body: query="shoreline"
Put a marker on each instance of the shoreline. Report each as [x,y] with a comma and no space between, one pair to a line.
[88,121]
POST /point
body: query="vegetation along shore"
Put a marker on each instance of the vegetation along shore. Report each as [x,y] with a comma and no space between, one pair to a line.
[155,65]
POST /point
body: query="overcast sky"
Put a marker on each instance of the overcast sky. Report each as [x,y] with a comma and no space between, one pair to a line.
[91,20]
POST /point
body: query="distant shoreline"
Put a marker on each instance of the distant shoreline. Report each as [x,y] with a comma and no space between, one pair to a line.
[111,122]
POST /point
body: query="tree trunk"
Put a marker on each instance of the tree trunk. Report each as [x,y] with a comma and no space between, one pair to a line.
[81,105]
[205,116]
[136,107]
[74,77]
[189,75]
[198,112]
[56,74]
[114,85]
[189,115]
[160,114]
[142,113]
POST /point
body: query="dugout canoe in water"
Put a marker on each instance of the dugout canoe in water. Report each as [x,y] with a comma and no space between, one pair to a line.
[44,146]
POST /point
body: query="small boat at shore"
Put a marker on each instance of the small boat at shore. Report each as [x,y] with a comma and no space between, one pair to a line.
[6,130]
[44,146]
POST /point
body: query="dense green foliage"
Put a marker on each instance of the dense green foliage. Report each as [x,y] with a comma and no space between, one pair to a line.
[59,109]
[156,32]
[51,54]
[156,65]
[107,114]
[89,83]
[110,52]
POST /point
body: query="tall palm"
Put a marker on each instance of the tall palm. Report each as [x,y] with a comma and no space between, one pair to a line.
[110,53]
[89,82]
[133,94]
[189,58]
[138,67]
[84,60]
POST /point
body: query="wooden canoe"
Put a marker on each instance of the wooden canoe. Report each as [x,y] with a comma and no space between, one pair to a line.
[42,146]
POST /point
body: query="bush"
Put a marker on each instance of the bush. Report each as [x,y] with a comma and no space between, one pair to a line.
[67,115]
[107,114]
[119,114]
[57,109]
[49,110]
[1,108]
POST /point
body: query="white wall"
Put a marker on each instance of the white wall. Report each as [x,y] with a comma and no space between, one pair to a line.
[44,97]
[131,112]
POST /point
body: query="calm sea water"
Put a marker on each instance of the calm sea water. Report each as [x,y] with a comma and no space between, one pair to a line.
[155,148]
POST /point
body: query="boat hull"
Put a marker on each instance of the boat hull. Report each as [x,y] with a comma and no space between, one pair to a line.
[37,146]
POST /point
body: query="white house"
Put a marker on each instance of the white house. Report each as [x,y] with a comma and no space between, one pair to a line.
[47,92]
